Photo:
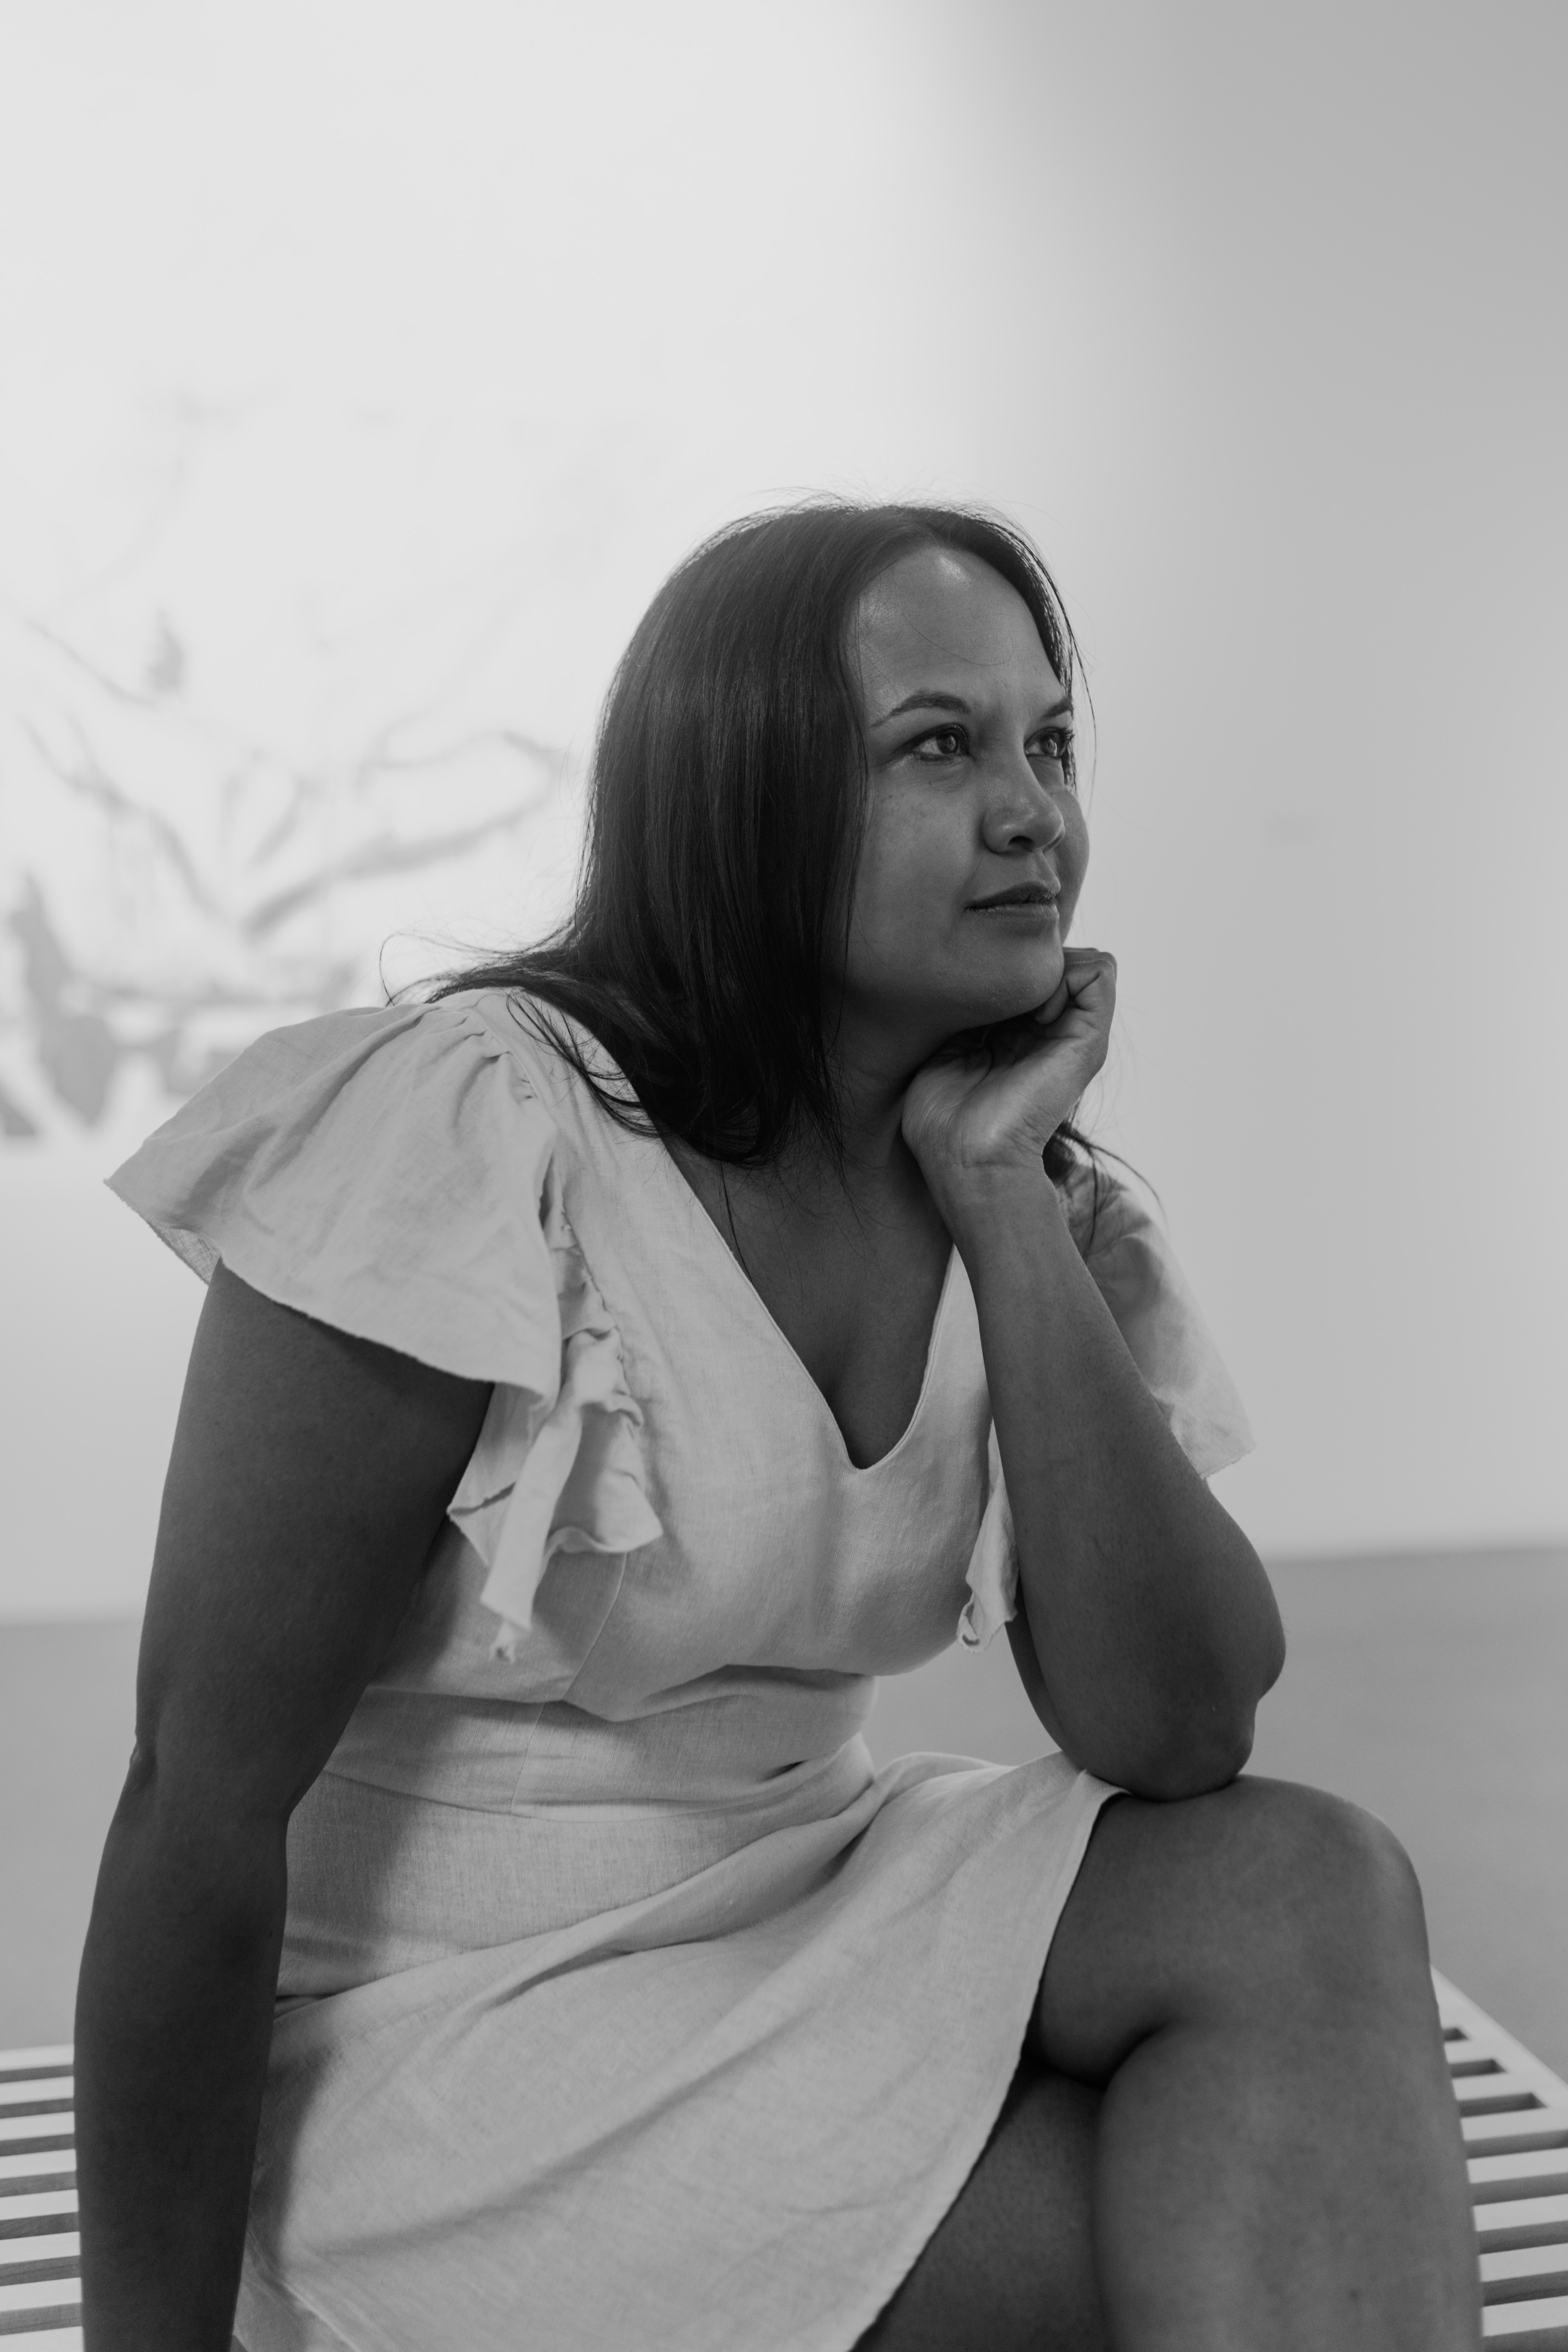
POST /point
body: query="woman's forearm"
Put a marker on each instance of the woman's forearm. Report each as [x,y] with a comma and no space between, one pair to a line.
[1151,1617]
[174,2024]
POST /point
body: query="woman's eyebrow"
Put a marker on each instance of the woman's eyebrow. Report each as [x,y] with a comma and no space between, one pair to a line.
[933,698]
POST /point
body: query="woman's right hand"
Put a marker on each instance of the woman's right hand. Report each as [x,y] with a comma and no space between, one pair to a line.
[980,1109]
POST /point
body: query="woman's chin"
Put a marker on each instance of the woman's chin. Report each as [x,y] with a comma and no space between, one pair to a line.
[1009,996]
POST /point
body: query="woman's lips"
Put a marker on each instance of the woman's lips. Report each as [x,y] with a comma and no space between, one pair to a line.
[1030,910]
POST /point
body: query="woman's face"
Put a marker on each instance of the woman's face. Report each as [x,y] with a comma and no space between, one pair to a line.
[967,732]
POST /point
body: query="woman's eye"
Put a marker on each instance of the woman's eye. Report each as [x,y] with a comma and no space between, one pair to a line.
[1052,744]
[944,743]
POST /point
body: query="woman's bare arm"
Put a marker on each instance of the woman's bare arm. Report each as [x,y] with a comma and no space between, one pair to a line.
[1149,1631]
[310,1476]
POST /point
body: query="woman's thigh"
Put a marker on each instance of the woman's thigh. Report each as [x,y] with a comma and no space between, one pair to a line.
[1216,1905]
[1258,1894]
[1009,2265]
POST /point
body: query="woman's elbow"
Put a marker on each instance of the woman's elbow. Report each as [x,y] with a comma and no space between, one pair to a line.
[1207,1744]
[1272,1644]
[1195,1764]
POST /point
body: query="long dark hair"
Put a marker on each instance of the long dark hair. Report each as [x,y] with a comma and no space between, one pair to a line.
[725,816]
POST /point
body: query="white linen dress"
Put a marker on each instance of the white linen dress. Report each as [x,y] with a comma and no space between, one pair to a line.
[623,2002]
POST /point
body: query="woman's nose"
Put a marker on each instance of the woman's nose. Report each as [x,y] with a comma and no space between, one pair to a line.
[1022,808]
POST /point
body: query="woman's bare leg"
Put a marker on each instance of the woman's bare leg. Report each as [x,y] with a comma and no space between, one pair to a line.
[1010,2267]
[1279,2162]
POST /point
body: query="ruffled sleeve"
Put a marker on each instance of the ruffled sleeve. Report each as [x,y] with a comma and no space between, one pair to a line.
[1136,1274]
[393,1173]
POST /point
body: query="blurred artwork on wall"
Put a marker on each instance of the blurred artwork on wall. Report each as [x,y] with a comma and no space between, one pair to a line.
[261,752]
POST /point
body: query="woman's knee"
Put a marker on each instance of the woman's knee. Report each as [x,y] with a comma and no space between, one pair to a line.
[1260,1895]
[1323,1890]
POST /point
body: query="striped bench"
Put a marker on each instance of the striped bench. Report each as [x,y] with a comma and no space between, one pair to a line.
[1515,2124]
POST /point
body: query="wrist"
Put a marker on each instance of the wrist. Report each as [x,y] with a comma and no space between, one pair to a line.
[999,1202]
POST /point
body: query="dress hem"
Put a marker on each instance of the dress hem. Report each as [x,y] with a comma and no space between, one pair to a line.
[948,2183]
[284,2317]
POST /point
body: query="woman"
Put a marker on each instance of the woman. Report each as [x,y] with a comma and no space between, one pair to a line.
[608,1368]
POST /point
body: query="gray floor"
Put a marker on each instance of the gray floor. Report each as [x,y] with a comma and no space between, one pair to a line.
[1430,1689]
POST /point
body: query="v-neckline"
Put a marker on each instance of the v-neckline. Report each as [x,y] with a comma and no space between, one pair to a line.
[676,1175]
[737,1273]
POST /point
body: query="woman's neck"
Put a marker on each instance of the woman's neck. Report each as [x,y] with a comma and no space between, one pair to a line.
[879,1174]
[873,1066]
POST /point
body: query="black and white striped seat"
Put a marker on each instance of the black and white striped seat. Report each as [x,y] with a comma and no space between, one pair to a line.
[1515,2125]
[40,2300]
[1516,2136]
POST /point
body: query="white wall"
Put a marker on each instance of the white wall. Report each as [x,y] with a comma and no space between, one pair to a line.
[1254,317]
